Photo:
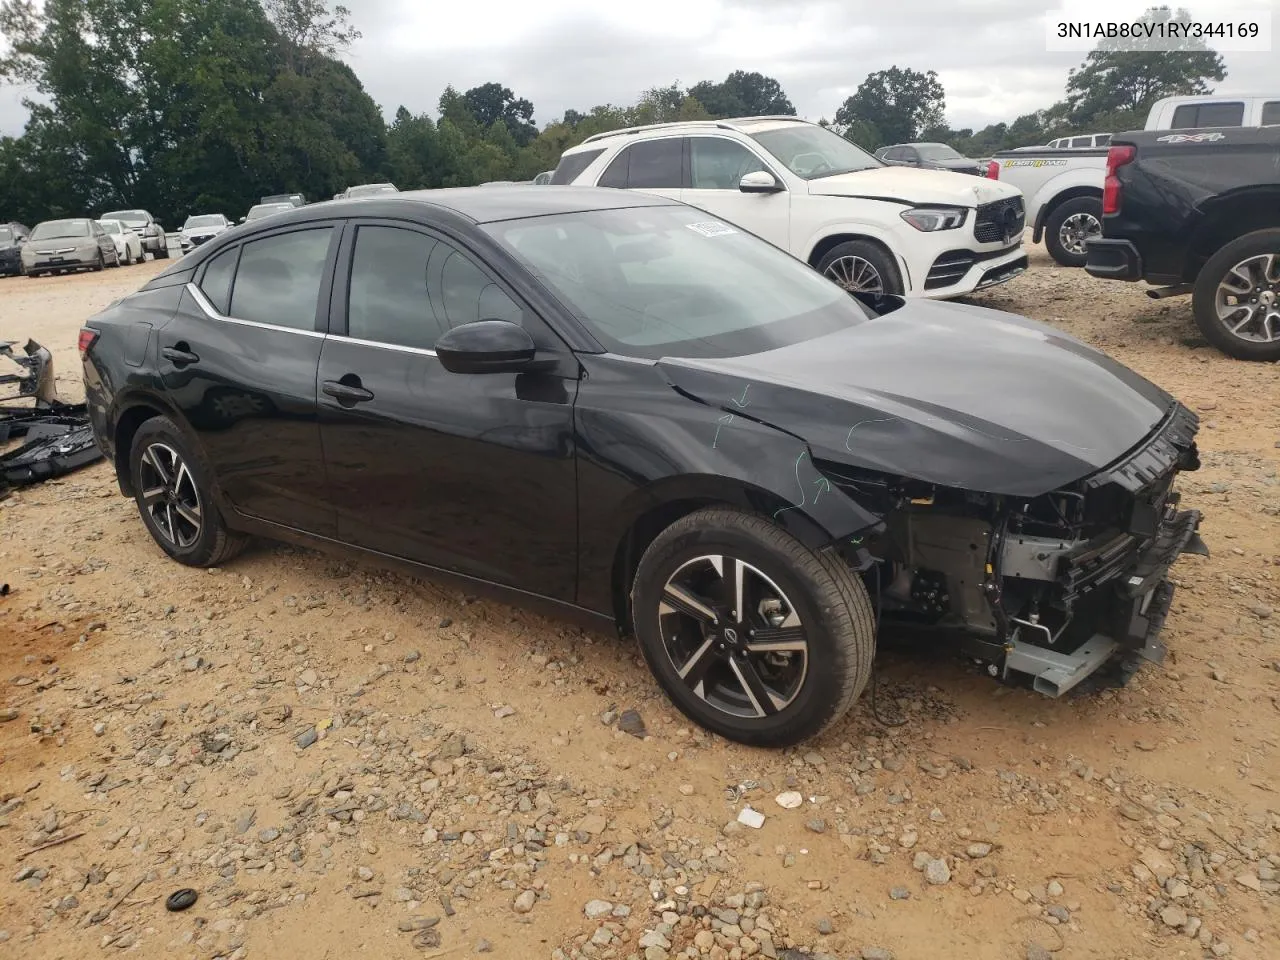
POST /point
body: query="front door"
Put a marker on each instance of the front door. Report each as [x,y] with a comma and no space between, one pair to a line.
[470,473]
[239,360]
[716,167]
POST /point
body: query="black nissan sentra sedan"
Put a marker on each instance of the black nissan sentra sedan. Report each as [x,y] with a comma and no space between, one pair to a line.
[640,413]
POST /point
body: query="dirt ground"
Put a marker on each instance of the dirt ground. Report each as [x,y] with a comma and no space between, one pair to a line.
[342,760]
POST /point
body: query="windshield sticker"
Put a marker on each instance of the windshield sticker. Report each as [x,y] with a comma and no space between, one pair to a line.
[1191,138]
[1033,163]
[711,228]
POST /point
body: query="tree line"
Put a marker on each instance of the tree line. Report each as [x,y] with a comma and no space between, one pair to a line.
[189,106]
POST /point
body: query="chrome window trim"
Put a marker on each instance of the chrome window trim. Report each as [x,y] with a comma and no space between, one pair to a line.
[203,303]
[422,351]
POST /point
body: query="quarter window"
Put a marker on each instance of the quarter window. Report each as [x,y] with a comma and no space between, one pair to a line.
[278,280]
[216,284]
[719,164]
[571,167]
[1271,113]
[388,302]
[467,294]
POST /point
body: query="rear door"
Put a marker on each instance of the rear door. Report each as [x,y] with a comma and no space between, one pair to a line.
[716,166]
[239,360]
[473,473]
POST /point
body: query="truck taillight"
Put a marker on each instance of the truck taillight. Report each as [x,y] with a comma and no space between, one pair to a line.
[1117,157]
[87,339]
[993,169]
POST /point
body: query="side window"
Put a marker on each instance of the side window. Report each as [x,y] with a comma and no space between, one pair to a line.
[615,175]
[1184,117]
[1102,140]
[216,283]
[719,164]
[910,154]
[278,280]
[1077,142]
[1270,113]
[1221,114]
[655,164]
[570,168]
[388,301]
[465,292]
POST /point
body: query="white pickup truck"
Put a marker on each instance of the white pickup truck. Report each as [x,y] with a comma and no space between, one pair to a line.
[1063,190]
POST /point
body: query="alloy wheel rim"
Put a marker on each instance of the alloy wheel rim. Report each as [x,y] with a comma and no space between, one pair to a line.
[733,637]
[1076,229]
[855,274]
[170,496]
[1247,300]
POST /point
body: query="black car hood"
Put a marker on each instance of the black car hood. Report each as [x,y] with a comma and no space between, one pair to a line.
[953,395]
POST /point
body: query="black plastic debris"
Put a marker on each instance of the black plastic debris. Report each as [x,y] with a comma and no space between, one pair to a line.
[57,436]
[181,899]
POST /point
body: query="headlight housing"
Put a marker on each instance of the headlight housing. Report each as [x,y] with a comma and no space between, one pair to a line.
[931,219]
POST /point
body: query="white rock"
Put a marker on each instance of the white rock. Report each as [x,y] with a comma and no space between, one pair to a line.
[789,800]
[751,818]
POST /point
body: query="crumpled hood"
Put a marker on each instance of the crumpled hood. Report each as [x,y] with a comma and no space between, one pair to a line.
[954,395]
[913,186]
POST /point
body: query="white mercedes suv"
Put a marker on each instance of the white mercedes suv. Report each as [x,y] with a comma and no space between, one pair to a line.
[869,226]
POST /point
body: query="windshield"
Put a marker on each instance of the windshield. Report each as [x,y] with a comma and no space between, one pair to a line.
[266,210]
[659,282]
[811,152]
[937,151]
[56,229]
[132,217]
[111,226]
[204,220]
[368,189]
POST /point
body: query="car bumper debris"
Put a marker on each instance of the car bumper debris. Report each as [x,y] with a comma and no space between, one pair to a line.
[57,437]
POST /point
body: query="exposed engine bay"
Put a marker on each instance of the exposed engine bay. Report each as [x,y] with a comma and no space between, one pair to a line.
[1054,586]
[57,436]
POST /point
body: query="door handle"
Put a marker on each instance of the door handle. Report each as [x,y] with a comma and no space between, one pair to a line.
[180,354]
[348,391]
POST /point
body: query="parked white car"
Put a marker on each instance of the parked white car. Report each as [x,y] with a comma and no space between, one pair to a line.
[127,242]
[1063,190]
[1214,110]
[869,226]
[201,228]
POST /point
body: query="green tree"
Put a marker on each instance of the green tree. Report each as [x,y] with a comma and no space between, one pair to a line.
[1112,80]
[898,103]
[492,103]
[743,94]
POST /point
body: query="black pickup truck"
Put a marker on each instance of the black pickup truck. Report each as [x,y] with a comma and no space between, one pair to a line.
[1198,211]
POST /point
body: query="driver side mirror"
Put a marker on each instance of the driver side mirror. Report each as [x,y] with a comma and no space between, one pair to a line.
[486,346]
[759,181]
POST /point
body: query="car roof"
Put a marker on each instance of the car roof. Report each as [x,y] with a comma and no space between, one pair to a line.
[501,202]
[744,125]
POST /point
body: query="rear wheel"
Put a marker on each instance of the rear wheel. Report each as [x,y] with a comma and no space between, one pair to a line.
[750,633]
[102,262]
[1237,297]
[174,494]
[162,252]
[1069,226]
[861,267]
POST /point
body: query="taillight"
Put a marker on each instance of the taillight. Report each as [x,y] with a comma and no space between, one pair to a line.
[1117,157]
[87,339]
[993,170]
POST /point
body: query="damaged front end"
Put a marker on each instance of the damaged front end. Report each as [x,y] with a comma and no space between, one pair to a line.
[1054,586]
[57,437]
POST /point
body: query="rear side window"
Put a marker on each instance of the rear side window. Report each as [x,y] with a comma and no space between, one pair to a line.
[216,285]
[650,164]
[467,294]
[1102,140]
[570,168]
[1192,115]
[1081,142]
[388,302]
[1270,113]
[278,280]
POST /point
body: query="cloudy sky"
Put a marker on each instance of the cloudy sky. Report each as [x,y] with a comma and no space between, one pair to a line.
[989,54]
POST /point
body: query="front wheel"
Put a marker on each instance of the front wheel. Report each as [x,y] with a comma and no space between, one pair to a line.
[101,264]
[861,267]
[174,494]
[1237,297]
[750,633]
[1068,228]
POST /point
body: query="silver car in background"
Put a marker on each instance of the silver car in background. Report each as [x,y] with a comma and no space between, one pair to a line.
[201,228]
[260,210]
[127,242]
[60,246]
[145,226]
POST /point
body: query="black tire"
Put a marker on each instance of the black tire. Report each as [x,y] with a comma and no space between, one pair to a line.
[213,543]
[101,264]
[163,252]
[830,601]
[1077,207]
[1204,299]
[830,266]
